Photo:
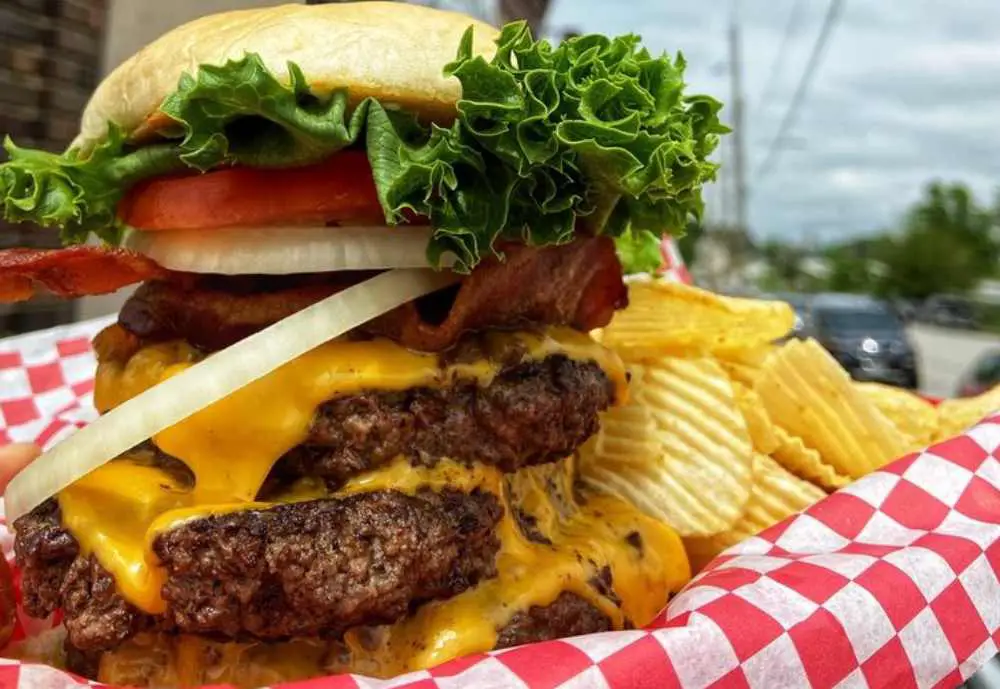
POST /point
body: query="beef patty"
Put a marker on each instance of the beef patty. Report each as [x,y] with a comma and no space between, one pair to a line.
[303,569]
[317,568]
[532,413]
[568,615]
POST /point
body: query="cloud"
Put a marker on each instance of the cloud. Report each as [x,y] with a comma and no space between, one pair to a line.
[907,93]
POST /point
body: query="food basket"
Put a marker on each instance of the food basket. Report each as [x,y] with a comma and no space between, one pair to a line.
[889,582]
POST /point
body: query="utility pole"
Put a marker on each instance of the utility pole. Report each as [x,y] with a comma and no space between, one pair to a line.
[738,137]
[532,11]
[725,186]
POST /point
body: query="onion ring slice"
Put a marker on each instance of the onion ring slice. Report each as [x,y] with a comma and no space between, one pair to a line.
[285,250]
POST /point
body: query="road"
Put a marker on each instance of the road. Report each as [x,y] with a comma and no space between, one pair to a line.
[944,355]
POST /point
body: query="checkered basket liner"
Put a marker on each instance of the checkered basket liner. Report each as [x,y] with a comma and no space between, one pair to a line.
[891,582]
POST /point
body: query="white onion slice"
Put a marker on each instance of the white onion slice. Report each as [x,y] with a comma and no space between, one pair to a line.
[210,380]
[284,250]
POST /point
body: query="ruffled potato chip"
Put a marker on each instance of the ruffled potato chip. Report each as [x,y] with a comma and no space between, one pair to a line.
[910,413]
[808,394]
[668,318]
[759,424]
[776,494]
[679,450]
[741,373]
[744,366]
[752,358]
[805,462]
[955,416]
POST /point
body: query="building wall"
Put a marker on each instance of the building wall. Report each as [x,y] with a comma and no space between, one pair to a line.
[134,23]
[131,25]
[50,59]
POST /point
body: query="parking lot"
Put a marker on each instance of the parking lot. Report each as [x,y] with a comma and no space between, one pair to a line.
[945,354]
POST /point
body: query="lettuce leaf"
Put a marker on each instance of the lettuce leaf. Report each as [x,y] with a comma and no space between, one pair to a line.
[236,114]
[76,194]
[240,114]
[638,251]
[591,136]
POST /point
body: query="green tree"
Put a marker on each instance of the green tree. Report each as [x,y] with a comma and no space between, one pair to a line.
[848,273]
[947,245]
[857,266]
[785,264]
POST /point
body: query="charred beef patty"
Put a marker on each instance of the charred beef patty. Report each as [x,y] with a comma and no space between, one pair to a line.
[531,413]
[567,615]
[320,567]
[303,569]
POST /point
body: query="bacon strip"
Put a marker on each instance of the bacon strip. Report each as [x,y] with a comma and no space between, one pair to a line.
[578,284]
[72,272]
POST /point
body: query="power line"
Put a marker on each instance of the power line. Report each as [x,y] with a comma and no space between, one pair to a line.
[532,11]
[739,129]
[725,186]
[737,252]
[829,21]
[791,26]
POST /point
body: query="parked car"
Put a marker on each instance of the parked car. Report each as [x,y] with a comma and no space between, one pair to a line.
[948,312]
[867,337]
[982,375]
[906,308]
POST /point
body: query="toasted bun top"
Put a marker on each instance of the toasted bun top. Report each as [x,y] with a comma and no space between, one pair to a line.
[389,50]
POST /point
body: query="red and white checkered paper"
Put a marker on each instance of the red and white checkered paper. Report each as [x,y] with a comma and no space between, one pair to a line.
[672,267]
[891,582]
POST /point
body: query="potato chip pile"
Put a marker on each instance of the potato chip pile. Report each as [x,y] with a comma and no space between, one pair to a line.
[726,433]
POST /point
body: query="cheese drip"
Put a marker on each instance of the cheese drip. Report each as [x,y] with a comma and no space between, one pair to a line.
[571,544]
[231,445]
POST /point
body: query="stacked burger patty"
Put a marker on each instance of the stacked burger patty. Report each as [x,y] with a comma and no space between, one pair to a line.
[320,567]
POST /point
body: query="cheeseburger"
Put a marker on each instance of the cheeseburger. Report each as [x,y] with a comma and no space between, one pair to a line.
[339,412]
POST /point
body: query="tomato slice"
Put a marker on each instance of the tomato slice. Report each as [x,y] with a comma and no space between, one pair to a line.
[338,189]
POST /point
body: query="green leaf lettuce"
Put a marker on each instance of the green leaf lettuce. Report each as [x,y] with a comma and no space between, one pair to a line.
[592,136]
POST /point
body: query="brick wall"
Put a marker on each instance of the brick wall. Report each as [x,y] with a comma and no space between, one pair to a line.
[50,60]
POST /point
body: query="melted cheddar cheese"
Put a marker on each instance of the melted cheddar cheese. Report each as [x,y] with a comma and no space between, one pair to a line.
[231,445]
[117,511]
[573,543]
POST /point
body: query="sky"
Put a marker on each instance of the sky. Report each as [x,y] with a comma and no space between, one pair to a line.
[907,92]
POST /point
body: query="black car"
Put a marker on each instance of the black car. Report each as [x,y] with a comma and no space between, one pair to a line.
[982,375]
[949,312]
[867,337]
